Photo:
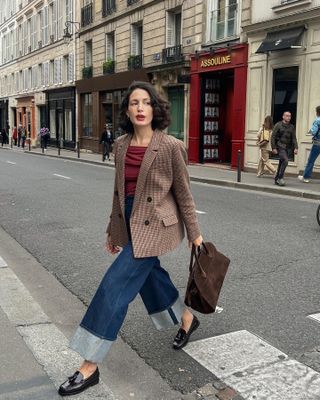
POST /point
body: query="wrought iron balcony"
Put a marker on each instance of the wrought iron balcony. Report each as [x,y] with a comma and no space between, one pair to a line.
[172,54]
[108,7]
[130,2]
[86,15]
[135,62]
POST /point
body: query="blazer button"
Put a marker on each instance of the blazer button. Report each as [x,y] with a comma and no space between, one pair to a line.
[119,215]
[149,199]
[116,193]
[146,222]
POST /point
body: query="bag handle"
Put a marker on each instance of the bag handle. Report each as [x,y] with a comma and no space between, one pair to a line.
[195,254]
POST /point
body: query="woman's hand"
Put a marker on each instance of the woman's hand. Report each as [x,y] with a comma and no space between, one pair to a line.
[197,242]
[110,248]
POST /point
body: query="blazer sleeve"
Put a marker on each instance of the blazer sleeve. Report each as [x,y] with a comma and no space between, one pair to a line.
[115,164]
[182,192]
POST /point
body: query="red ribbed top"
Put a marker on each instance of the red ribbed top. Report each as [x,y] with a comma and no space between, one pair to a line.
[133,162]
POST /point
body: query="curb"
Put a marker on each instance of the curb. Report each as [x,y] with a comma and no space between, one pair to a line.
[215,182]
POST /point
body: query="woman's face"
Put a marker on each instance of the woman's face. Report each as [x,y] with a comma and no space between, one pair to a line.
[140,109]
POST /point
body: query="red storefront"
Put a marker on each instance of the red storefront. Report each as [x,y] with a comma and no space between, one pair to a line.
[218,105]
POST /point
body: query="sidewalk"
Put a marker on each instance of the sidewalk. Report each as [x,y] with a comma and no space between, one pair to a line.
[215,175]
[38,315]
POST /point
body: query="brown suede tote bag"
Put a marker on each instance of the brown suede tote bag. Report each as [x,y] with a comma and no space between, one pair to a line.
[206,276]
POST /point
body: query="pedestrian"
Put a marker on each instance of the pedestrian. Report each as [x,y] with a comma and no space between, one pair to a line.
[152,203]
[107,140]
[44,135]
[283,140]
[23,136]
[5,138]
[19,134]
[315,149]
[15,135]
[264,143]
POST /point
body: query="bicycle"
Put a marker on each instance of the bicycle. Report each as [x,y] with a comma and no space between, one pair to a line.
[318,214]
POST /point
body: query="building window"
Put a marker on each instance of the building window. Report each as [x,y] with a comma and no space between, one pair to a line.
[136,39]
[88,53]
[110,53]
[86,13]
[223,19]
[285,94]
[51,72]
[108,7]
[87,114]
[173,34]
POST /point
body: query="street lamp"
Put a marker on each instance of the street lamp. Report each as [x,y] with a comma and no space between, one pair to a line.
[67,34]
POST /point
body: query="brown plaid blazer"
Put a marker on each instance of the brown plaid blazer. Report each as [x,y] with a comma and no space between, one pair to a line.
[163,202]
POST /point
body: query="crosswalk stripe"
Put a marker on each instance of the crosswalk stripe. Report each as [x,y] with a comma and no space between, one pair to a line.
[3,264]
[257,370]
[62,176]
[46,342]
[316,317]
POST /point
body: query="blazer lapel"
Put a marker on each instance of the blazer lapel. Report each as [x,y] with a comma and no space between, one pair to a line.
[121,157]
[147,161]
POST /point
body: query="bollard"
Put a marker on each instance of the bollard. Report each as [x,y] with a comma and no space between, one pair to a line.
[11,143]
[42,149]
[239,166]
[29,144]
[78,149]
[59,148]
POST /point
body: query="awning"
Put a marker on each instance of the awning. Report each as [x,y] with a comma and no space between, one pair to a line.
[282,40]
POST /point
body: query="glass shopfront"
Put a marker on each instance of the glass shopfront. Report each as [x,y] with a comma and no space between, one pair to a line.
[61,117]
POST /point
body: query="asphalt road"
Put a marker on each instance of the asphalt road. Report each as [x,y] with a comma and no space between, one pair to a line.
[272,241]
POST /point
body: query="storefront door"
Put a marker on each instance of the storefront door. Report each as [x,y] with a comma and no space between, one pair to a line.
[176,99]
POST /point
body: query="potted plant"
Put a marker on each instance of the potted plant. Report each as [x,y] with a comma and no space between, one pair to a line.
[87,72]
[108,66]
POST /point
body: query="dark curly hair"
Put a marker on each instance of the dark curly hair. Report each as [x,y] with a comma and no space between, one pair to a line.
[161,109]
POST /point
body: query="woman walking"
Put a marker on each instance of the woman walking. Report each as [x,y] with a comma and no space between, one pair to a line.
[152,204]
[264,142]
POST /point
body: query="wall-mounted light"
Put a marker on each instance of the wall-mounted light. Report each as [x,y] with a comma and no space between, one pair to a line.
[67,34]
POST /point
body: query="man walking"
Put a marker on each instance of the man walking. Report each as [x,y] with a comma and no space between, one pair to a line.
[283,139]
[107,140]
[315,149]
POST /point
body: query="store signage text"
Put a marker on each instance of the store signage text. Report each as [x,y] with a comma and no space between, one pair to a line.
[220,60]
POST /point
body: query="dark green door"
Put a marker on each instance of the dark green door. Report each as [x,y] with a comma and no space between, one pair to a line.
[176,98]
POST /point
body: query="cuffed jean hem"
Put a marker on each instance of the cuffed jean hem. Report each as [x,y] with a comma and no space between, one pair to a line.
[168,318]
[90,347]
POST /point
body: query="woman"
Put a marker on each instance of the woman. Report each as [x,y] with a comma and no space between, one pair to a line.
[152,203]
[264,142]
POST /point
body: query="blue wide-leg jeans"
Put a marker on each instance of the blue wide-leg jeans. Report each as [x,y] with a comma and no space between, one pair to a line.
[126,277]
[314,154]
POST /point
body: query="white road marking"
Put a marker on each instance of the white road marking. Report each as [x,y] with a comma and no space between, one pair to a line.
[3,264]
[62,176]
[316,317]
[11,162]
[46,342]
[254,368]
[200,212]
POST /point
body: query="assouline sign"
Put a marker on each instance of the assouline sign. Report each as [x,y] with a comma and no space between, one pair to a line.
[218,60]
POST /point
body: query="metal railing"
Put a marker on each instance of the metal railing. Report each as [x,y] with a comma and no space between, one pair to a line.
[172,54]
[86,14]
[108,7]
[130,2]
[135,62]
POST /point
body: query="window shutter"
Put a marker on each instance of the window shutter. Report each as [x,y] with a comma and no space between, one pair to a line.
[60,69]
[54,20]
[55,71]
[110,47]
[70,68]
[170,29]
[134,40]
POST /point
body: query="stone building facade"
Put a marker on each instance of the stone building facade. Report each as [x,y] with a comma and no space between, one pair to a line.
[283,71]
[37,70]
[122,41]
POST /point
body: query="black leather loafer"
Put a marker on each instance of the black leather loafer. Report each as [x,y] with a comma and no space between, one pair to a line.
[76,383]
[183,337]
